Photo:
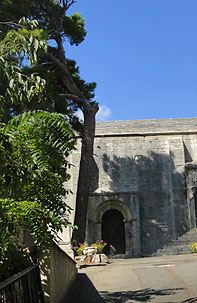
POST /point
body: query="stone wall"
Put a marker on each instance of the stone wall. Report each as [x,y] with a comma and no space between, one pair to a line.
[146,166]
[143,161]
[58,272]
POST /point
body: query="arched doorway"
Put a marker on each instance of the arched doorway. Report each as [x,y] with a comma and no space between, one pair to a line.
[113,232]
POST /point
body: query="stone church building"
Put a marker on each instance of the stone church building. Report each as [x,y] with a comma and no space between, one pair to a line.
[144,184]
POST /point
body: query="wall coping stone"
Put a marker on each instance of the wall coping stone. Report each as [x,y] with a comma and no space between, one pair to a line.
[59,248]
[146,127]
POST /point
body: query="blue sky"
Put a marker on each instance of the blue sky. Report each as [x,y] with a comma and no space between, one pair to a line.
[143,56]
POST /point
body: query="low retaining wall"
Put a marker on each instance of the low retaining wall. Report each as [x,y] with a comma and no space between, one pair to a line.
[58,272]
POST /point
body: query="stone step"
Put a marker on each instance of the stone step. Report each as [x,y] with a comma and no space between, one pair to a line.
[176,247]
[185,242]
[179,246]
[173,251]
[193,237]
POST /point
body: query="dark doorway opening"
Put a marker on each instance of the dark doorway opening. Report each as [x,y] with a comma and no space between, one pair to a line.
[113,232]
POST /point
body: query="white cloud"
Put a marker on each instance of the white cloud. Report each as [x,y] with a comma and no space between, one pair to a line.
[103,114]
[79,114]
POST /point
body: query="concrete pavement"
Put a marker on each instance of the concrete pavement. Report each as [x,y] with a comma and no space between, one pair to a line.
[158,279]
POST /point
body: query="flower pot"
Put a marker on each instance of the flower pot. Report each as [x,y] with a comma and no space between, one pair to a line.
[90,250]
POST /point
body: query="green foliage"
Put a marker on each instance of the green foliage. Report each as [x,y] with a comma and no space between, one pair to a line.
[15,260]
[12,257]
[100,244]
[17,87]
[87,88]
[30,216]
[79,249]
[54,26]
[13,10]
[34,146]
[33,160]
[33,152]
[27,39]
[51,15]
[73,27]
[18,216]
[193,247]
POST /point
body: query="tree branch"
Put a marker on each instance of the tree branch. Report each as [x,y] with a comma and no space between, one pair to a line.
[74,98]
[67,3]
[66,79]
[74,92]
[81,102]
[11,23]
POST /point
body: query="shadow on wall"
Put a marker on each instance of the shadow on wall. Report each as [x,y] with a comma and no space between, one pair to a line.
[58,273]
[162,197]
[155,171]
[44,264]
[95,177]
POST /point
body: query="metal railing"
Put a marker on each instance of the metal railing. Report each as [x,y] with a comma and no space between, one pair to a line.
[24,287]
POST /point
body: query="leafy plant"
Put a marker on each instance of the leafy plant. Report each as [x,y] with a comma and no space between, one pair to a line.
[33,162]
[22,43]
[34,149]
[66,91]
[79,249]
[15,260]
[33,167]
[12,256]
[100,244]
[193,247]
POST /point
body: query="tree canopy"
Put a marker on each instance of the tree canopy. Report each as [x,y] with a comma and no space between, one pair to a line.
[34,147]
[61,74]
[66,91]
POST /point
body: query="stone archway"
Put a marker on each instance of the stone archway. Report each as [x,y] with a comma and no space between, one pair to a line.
[113,232]
[130,222]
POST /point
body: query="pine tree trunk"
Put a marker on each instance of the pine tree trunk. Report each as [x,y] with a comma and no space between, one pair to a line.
[85,173]
[85,170]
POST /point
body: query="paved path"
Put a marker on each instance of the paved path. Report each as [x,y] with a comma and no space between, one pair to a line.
[157,279]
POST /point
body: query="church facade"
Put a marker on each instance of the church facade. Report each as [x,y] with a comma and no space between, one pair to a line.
[144,186]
